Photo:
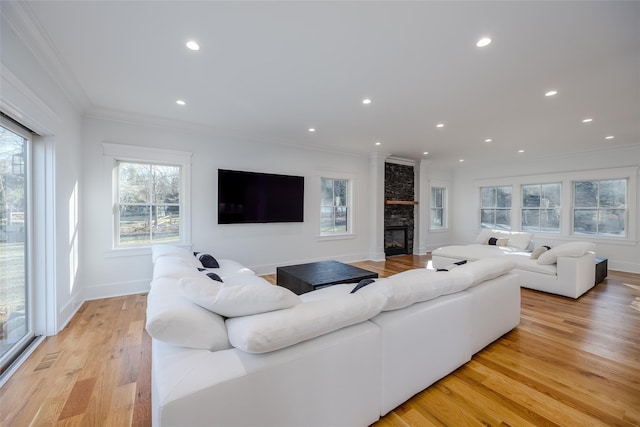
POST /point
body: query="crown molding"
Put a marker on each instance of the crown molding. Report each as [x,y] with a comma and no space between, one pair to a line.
[21,19]
[138,119]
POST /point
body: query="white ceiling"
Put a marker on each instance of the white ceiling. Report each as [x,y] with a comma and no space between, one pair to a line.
[271,70]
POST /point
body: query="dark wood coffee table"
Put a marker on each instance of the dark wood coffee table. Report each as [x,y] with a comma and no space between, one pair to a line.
[304,278]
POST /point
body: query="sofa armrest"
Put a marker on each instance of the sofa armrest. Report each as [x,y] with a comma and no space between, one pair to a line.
[580,271]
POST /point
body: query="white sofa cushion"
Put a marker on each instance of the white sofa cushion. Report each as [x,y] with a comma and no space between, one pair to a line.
[170,266]
[237,296]
[160,250]
[473,251]
[483,269]
[274,330]
[412,286]
[517,239]
[174,319]
[571,249]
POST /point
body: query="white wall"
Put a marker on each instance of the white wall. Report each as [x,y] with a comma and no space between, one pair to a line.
[261,247]
[30,95]
[623,255]
[431,174]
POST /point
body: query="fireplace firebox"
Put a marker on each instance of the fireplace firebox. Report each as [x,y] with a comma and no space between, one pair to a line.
[395,240]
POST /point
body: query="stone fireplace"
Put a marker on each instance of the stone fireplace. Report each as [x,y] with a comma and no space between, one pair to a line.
[395,240]
[399,209]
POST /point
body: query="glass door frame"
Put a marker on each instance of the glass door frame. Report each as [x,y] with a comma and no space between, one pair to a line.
[23,343]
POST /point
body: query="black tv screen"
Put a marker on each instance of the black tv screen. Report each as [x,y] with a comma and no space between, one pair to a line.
[251,197]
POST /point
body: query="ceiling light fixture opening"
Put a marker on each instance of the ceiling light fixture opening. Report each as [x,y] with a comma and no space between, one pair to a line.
[461,160]
[520,151]
[366,101]
[378,143]
[483,42]
[608,137]
[551,93]
[589,120]
[193,45]
[181,102]
[488,140]
[425,153]
[312,129]
[440,125]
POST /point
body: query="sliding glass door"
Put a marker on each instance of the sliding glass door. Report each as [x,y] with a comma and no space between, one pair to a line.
[16,329]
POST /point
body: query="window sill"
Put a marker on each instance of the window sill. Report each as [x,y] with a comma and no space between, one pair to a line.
[329,237]
[438,230]
[137,250]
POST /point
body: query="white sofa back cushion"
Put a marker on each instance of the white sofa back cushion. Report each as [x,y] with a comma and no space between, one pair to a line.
[484,269]
[517,239]
[173,267]
[160,250]
[571,249]
[174,319]
[237,296]
[274,330]
[412,286]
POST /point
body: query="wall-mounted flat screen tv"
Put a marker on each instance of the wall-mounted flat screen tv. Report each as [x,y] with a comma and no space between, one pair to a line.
[252,197]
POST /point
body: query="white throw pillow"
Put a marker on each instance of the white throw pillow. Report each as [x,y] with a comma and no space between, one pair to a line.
[174,319]
[271,331]
[231,299]
[571,249]
[520,239]
[539,251]
[517,239]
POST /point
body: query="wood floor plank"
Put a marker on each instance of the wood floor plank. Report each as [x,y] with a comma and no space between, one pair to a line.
[569,362]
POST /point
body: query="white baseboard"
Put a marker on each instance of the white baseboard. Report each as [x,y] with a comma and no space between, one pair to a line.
[118,289]
[68,311]
[628,267]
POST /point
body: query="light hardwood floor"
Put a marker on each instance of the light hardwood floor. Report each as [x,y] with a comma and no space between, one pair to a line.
[569,363]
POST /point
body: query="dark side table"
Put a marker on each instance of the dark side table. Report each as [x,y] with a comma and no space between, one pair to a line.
[601,269]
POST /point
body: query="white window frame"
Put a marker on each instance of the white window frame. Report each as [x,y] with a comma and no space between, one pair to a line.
[598,209]
[566,179]
[115,153]
[445,205]
[496,207]
[351,189]
[539,208]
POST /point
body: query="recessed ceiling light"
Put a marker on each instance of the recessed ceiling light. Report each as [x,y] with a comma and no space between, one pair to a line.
[193,45]
[587,120]
[488,140]
[520,151]
[608,137]
[425,153]
[461,160]
[483,42]
[366,101]
[378,143]
[440,125]
[551,93]
[181,102]
[312,129]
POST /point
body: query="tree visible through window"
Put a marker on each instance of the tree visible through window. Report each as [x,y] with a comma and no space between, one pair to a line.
[334,206]
[541,207]
[495,207]
[148,203]
[600,207]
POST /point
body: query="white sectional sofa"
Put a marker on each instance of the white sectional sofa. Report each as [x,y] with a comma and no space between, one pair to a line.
[567,269]
[326,358]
